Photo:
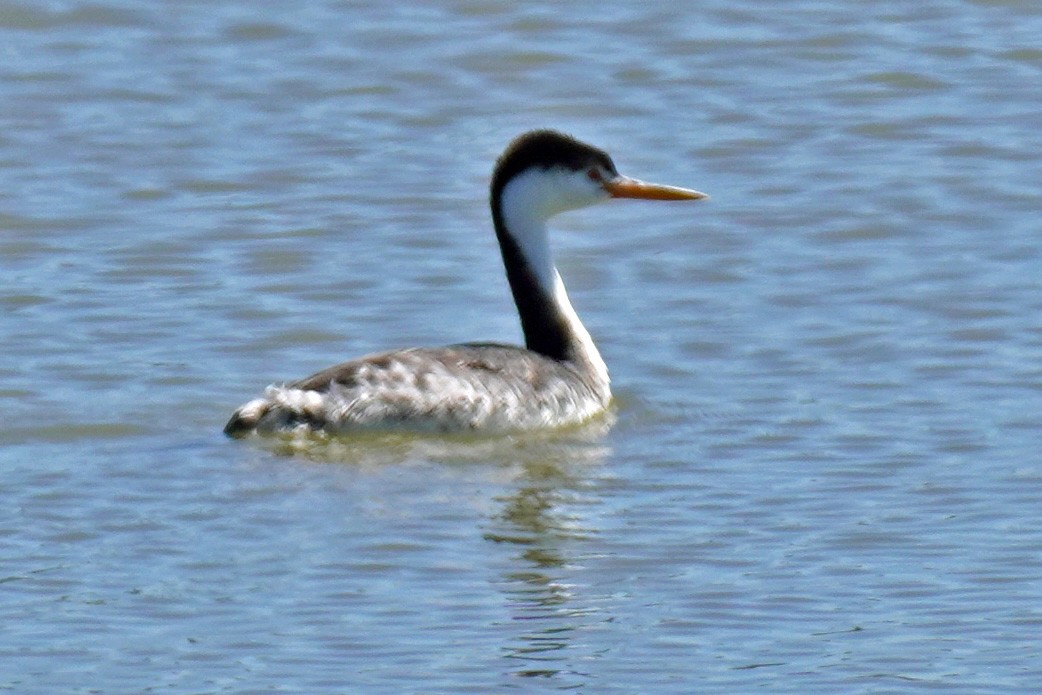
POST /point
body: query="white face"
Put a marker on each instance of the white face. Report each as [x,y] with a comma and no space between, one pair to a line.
[534,196]
[543,193]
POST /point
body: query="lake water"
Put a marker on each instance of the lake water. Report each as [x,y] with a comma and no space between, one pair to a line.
[824,474]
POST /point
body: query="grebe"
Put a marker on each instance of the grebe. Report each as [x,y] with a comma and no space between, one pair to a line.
[557,379]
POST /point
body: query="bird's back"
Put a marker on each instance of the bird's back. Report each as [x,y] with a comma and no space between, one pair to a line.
[472,386]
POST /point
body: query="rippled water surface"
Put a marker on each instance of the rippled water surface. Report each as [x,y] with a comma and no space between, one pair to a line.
[824,472]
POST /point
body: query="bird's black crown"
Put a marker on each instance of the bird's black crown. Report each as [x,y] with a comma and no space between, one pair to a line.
[546,149]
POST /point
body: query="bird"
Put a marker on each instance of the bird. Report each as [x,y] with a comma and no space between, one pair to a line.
[556,380]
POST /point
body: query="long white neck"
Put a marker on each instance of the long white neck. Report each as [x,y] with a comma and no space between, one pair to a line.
[524,207]
[583,340]
[526,224]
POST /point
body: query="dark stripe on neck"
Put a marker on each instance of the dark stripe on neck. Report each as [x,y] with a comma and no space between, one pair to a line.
[546,329]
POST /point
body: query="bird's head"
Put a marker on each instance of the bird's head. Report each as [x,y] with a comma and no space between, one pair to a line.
[547,172]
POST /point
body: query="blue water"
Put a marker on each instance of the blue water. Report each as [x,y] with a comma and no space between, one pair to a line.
[823,475]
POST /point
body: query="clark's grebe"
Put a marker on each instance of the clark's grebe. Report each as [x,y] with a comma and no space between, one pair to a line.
[557,379]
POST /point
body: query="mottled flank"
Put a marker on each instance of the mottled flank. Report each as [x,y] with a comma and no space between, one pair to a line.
[469,387]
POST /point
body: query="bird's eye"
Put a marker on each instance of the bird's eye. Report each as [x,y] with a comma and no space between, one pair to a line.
[594,174]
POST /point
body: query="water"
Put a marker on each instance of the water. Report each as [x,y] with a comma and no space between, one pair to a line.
[824,472]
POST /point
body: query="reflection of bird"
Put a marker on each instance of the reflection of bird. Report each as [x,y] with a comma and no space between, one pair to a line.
[559,377]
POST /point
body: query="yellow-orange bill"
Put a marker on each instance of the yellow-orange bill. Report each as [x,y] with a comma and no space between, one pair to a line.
[623,187]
